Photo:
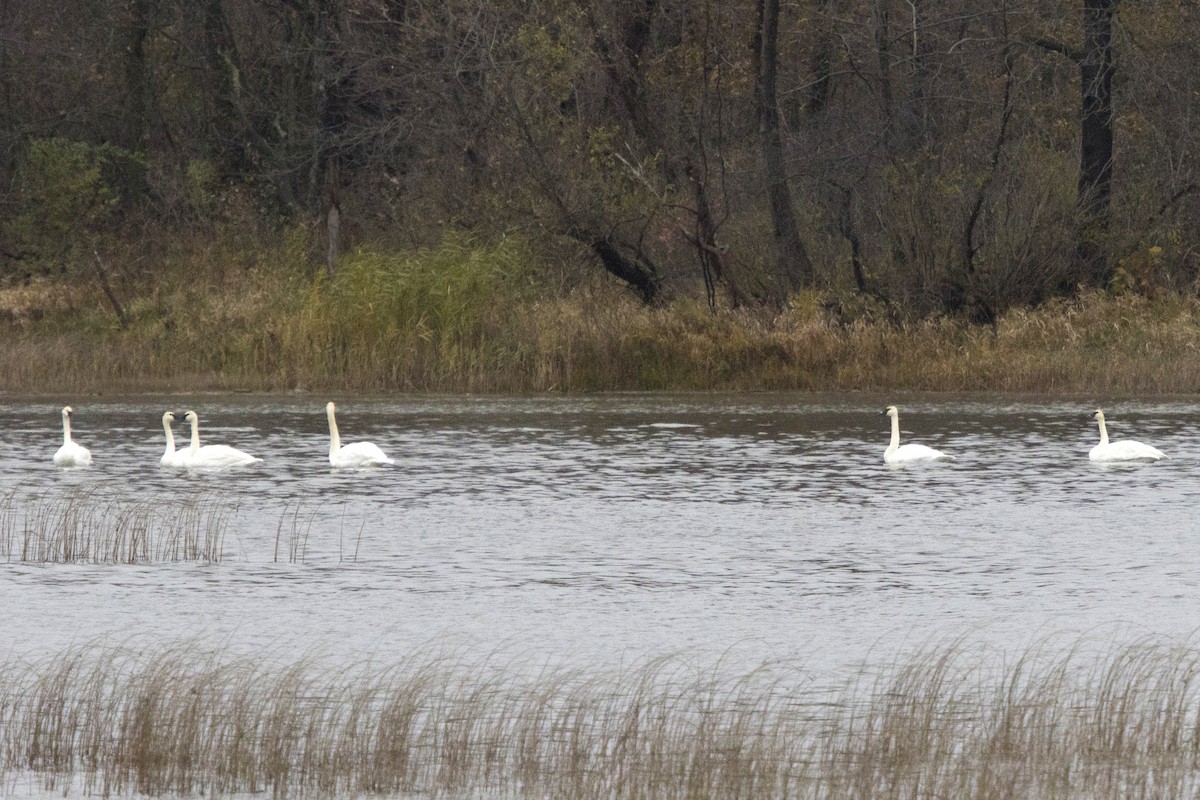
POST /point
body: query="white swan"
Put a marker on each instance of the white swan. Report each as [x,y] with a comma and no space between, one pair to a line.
[1122,450]
[358,454]
[71,454]
[170,458]
[895,454]
[211,455]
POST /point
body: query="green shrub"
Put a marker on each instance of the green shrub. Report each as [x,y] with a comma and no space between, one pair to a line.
[445,294]
[67,192]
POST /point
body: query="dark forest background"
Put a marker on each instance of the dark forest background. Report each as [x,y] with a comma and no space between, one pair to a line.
[960,157]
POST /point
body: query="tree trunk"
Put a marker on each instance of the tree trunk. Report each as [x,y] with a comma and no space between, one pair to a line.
[333,218]
[963,296]
[793,265]
[883,55]
[713,264]
[222,68]
[623,63]
[850,233]
[637,271]
[1096,138]
[137,82]
[919,115]
[330,87]
[820,61]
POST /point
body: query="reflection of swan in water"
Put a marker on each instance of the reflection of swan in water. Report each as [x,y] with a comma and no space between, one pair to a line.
[211,455]
[357,454]
[71,454]
[1122,450]
[895,454]
[170,458]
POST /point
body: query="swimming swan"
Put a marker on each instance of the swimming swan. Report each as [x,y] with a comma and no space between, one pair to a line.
[1122,450]
[895,454]
[358,454]
[71,454]
[170,458]
[211,455]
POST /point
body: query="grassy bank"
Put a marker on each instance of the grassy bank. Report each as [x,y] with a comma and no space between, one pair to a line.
[471,317]
[190,722]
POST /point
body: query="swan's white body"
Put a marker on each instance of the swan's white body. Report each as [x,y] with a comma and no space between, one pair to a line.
[350,456]
[212,456]
[71,454]
[1121,450]
[895,454]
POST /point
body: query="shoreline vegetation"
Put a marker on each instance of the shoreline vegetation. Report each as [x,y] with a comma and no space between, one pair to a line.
[951,721]
[476,317]
[601,195]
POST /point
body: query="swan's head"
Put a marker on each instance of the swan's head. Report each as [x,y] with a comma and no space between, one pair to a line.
[1098,416]
[329,407]
[890,411]
[67,411]
[190,416]
[168,417]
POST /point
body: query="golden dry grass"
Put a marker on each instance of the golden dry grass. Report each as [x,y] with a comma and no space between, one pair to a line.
[94,526]
[465,318]
[951,723]
[88,526]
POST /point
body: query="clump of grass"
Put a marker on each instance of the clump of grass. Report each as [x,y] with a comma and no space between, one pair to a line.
[427,318]
[94,526]
[945,724]
[88,526]
[292,533]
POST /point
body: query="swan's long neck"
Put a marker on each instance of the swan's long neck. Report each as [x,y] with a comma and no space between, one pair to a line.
[1103,431]
[335,441]
[170,437]
[66,429]
[895,432]
[195,436]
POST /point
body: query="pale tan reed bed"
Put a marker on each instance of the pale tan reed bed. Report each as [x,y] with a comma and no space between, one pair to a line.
[91,526]
[94,526]
[948,724]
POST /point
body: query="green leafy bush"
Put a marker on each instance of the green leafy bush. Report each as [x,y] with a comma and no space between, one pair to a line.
[445,294]
[67,192]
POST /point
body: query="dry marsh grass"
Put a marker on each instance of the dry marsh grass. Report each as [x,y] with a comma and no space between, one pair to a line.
[465,317]
[92,527]
[948,724]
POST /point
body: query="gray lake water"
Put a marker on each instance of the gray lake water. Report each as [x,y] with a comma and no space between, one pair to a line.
[603,531]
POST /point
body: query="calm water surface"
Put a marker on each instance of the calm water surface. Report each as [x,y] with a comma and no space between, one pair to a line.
[607,530]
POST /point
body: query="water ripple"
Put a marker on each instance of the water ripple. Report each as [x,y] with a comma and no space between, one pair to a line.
[605,528]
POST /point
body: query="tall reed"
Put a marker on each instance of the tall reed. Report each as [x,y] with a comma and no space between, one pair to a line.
[950,723]
[91,526]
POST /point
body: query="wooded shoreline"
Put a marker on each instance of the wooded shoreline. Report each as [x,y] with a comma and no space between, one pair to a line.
[926,161]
